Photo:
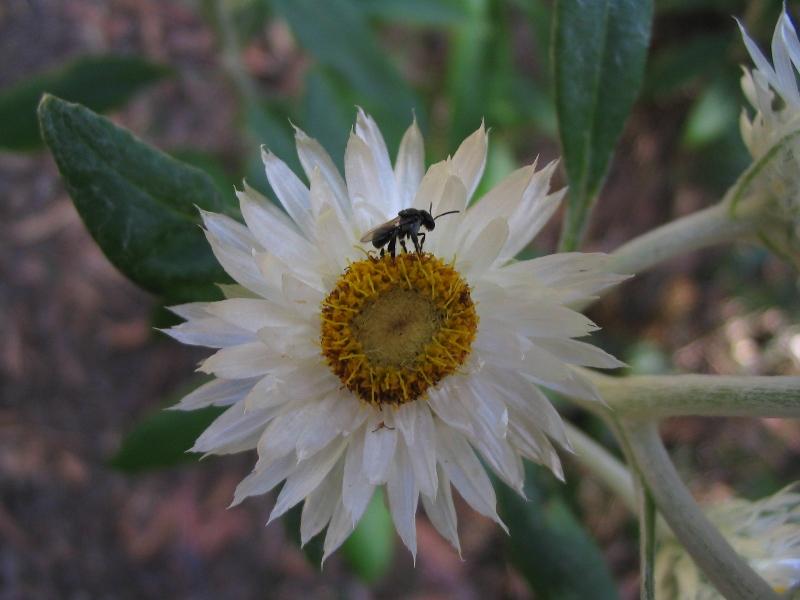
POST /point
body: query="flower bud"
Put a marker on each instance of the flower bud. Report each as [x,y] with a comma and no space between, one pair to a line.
[766,533]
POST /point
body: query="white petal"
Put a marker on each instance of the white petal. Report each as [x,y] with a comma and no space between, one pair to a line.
[190,310]
[262,481]
[320,504]
[252,314]
[758,58]
[445,403]
[442,512]
[543,368]
[410,165]
[481,254]
[403,494]
[238,362]
[465,471]
[356,490]
[415,422]
[363,181]
[239,264]
[432,184]
[787,80]
[219,392]
[470,159]
[576,352]
[280,437]
[231,426]
[380,441]
[229,232]
[305,479]
[292,193]
[367,130]
[790,38]
[273,235]
[339,529]
[314,157]
[444,241]
[327,421]
[210,332]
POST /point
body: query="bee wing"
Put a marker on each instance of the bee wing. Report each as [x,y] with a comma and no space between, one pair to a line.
[379,230]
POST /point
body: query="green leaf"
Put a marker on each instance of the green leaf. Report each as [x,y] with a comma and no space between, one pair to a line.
[599,51]
[162,438]
[416,12]
[550,547]
[370,548]
[139,204]
[678,65]
[339,37]
[100,82]
[469,61]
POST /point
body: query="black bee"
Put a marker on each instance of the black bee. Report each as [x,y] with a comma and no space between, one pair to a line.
[405,225]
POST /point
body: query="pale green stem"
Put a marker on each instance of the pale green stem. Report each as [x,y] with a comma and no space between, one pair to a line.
[731,575]
[647,543]
[708,227]
[661,396]
[601,463]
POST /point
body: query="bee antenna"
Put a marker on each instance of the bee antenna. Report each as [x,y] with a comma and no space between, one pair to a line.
[430,208]
[449,212]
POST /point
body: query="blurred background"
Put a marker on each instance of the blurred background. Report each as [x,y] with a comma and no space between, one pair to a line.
[80,361]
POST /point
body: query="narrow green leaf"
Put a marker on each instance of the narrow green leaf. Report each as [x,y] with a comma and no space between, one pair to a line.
[339,37]
[469,60]
[100,82]
[416,12]
[161,439]
[370,548]
[550,547]
[599,51]
[139,204]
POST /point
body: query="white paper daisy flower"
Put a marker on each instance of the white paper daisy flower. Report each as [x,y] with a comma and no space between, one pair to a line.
[771,88]
[348,370]
[766,533]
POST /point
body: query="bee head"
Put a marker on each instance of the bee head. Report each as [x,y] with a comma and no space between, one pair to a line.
[427,220]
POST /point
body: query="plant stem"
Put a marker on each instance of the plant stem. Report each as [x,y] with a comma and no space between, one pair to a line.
[661,396]
[707,227]
[731,575]
[604,465]
[647,544]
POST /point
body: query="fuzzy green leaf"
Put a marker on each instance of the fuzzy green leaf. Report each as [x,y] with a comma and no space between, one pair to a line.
[139,204]
[599,51]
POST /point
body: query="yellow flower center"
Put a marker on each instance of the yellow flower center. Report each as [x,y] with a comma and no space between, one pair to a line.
[393,327]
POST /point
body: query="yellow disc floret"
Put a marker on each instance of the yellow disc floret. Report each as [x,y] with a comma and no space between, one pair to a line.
[393,327]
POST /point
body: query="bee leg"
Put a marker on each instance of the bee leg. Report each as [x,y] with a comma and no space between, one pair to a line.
[421,240]
[403,246]
[415,239]
[392,246]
